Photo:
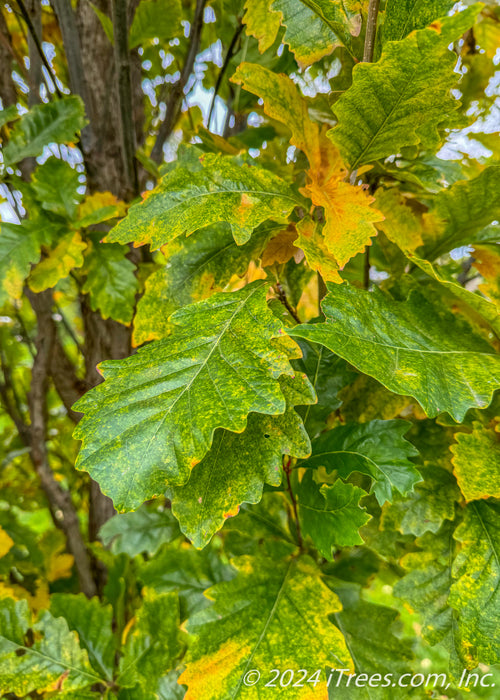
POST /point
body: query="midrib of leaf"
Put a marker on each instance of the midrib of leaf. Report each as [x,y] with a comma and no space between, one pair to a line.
[221,192]
[324,510]
[356,454]
[226,326]
[496,554]
[409,15]
[264,629]
[381,127]
[57,662]
[415,350]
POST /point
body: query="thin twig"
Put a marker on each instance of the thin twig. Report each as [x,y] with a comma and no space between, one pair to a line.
[38,45]
[176,95]
[229,55]
[284,300]
[366,268]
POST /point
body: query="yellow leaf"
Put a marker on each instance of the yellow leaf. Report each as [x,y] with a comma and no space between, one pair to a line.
[349,218]
[6,542]
[317,255]
[476,462]
[401,224]
[487,263]
[98,207]
[65,257]
[261,22]
[60,566]
[280,249]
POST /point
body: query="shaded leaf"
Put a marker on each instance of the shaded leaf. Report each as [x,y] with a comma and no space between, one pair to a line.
[55,184]
[141,531]
[155,19]
[92,622]
[401,225]
[163,404]
[57,121]
[111,283]
[330,514]
[267,632]
[377,449]
[409,348]
[20,246]
[154,642]
[239,464]
[220,190]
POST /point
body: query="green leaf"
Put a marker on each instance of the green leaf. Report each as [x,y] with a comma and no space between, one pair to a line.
[328,374]
[8,115]
[219,191]
[154,642]
[272,615]
[476,462]
[475,593]
[343,18]
[432,502]
[142,531]
[372,643]
[239,464]
[187,572]
[162,405]
[55,184]
[409,347]
[92,621]
[196,266]
[20,246]
[52,122]
[111,283]
[466,208]
[66,256]
[26,667]
[472,300]
[404,16]
[377,449]
[261,22]
[155,19]
[426,589]
[308,37]
[331,514]
[400,100]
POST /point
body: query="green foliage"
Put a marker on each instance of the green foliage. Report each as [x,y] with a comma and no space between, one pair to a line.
[292,304]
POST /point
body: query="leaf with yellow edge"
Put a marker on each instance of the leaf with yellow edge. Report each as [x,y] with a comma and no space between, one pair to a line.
[475,594]
[318,257]
[261,22]
[401,225]
[280,249]
[349,217]
[476,462]
[98,207]
[274,614]
[6,542]
[66,256]
[309,38]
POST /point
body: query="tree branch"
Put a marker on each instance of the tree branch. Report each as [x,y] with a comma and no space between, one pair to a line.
[61,506]
[371,31]
[36,40]
[176,96]
[122,59]
[229,55]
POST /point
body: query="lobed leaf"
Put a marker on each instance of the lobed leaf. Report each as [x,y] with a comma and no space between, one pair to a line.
[409,348]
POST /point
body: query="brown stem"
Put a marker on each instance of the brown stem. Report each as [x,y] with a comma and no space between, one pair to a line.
[371,31]
[229,55]
[366,268]
[176,96]
[284,300]
[122,59]
[287,461]
[61,506]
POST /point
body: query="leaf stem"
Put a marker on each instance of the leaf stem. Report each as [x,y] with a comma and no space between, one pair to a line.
[284,300]
[287,468]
